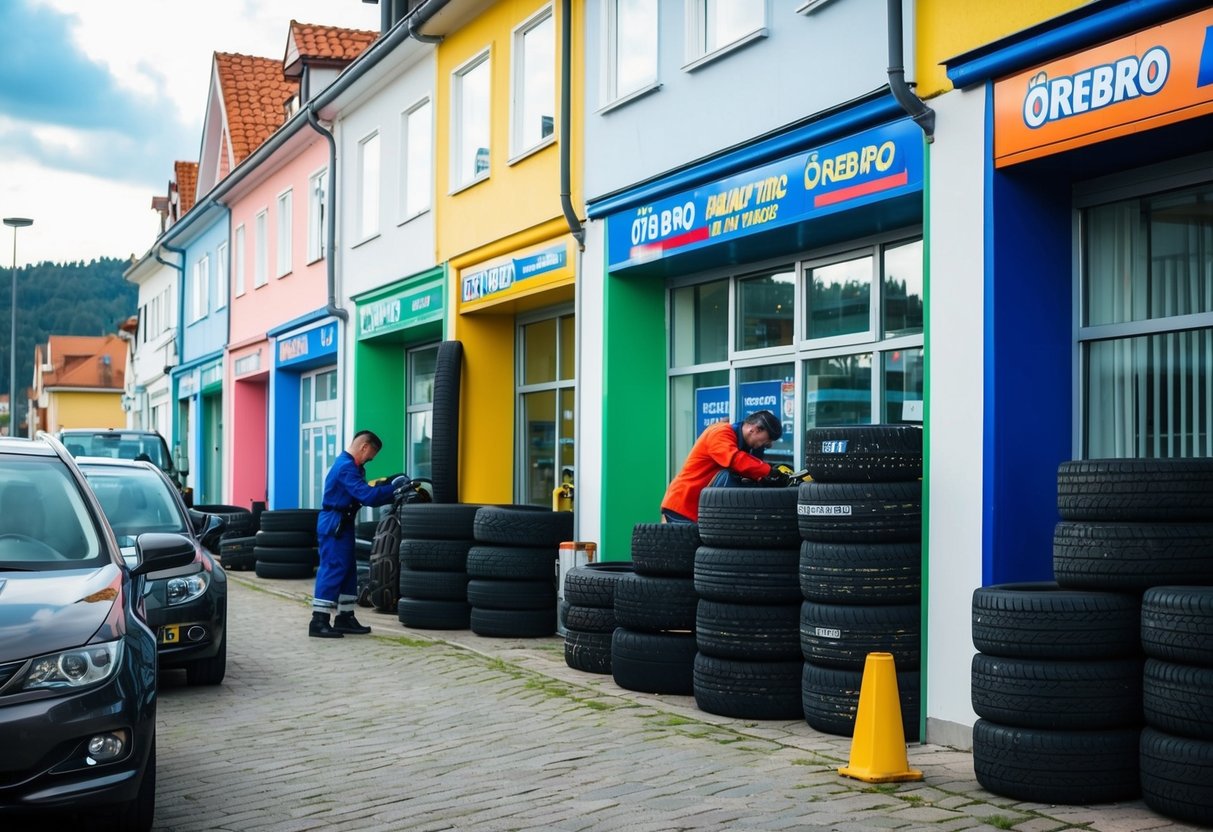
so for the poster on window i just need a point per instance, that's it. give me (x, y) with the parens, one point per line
(711, 406)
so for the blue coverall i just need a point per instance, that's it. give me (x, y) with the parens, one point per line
(345, 490)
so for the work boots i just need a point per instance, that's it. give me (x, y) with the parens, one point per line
(346, 623)
(319, 627)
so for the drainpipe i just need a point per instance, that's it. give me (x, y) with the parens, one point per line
(385, 16)
(566, 96)
(177, 338)
(923, 115)
(331, 220)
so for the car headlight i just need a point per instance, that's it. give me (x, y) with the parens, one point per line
(76, 668)
(187, 587)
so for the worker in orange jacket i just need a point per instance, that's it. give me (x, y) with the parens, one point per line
(736, 448)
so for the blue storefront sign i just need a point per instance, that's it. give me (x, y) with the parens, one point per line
(317, 343)
(501, 276)
(711, 406)
(876, 164)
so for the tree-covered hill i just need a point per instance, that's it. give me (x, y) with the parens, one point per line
(61, 299)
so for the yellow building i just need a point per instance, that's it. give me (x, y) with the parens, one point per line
(507, 233)
(78, 383)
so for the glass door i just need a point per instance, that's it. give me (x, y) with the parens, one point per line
(546, 402)
(317, 435)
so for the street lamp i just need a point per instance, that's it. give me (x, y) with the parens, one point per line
(14, 223)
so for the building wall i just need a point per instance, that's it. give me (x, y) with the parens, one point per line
(762, 87)
(151, 409)
(84, 409)
(209, 333)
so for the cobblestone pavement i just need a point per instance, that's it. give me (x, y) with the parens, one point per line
(434, 730)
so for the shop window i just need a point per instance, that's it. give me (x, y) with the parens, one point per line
(696, 401)
(772, 388)
(420, 408)
(318, 407)
(368, 187)
(699, 323)
(903, 375)
(546, 393)
(838, 390)
(1146, 333)
(902, 300)
(765, 310)
(840, 297)
(470, 132)
(534, 83)
(417, 159)
(631, 49)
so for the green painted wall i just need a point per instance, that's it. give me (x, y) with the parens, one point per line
(635, 439)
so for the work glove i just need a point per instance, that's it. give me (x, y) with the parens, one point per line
(780, 476)
(400, 484)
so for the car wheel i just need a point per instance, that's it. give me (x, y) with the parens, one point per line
(208, 671)
(136, 816)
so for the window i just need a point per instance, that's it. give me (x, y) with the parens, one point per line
(1145, 332)
(284, 233)
(221, 276)
(261, 250)
(318, 433)
(717, 26)
(238, 261)
(631, 49)
(317, 190)
(818, 342)
(368, 187)
(546, 395)
(202, 277)
(534, 83)
(419, 386)
(470, 132)
(418, 157)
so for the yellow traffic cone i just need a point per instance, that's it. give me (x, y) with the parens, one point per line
(878, 747)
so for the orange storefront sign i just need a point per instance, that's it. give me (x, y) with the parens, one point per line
(1154, 77)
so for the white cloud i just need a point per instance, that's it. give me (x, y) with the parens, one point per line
(154, 49)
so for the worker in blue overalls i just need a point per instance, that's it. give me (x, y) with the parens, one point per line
(345, 492)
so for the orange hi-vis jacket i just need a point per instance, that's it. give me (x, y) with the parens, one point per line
(714, 450)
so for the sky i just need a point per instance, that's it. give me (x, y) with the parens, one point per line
(98, 98)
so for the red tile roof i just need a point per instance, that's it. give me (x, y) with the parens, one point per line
(254, 97)
(186, 174)
(330, 45)
(77, 361)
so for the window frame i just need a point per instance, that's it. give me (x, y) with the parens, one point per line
(484, 56)
(610, 96)
(697, 54)
(317, 192)
(407, 211)
(261, 248)
(221, 262)
(369, 191)
(201, 288)
(518, 85)
(557, 386)
(238, 265)
(284, 233)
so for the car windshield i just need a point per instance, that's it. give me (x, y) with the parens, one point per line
(135, 500)
(118, 445)
(45, 522)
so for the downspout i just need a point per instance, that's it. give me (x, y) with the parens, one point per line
(177, 338)
(330, 221)
(566, 97)
(923, 115)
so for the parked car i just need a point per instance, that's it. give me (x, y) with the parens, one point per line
(77, 658)
(187, 609)
(123, 443)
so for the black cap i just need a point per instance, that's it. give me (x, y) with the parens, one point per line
(766, 419)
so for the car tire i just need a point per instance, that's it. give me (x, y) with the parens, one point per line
(864, 453)
(208, 671)
(1147, 490)
(1176, 622)
(444, 447)
(751, 518)
(1177, 776)
(1040, 620)
(1132, 557)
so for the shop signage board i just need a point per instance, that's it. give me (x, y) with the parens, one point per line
(499, 276)
(246, 364)
(409, 307)
(187, 385)
(318, 342)
(876, 164)
(1151, 78)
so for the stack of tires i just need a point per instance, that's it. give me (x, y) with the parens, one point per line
(1177, 743)
(285, 545)
(236, 542)
(653, 644)
(860, 570)
(748, 664)
(588, 614)
(434, 542)
(1057, 687)
(512, 570)
(1145, 526)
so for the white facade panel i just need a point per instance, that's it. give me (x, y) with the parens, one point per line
(591, 392)
(956, 355)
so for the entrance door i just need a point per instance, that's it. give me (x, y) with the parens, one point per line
(546, 394)
(318, 434)
(212, 452)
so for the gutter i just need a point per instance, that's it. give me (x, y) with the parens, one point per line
(923, 115)
(566, 96)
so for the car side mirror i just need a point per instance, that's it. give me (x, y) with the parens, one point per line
(212, 530)
(158, 551)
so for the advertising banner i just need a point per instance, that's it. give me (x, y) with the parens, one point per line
(876, 164)
(306, 346)
(711, 406)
